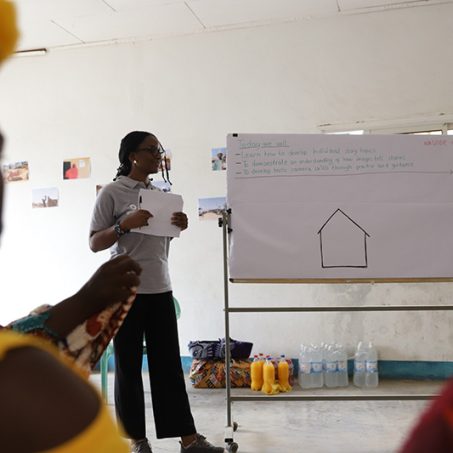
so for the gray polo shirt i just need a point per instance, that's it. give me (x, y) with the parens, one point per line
(114, 202)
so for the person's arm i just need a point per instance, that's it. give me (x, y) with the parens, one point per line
(82, 325)
(103, 239)
(115, 281)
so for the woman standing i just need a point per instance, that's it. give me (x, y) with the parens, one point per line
(153, 315)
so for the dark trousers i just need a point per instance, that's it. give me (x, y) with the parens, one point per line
(152, 316)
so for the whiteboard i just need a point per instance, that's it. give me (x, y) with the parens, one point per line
(340, 206)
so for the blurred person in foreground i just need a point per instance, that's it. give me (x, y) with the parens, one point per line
(47, 404)
(433, 432)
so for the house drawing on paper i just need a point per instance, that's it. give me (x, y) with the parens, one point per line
(343, 242)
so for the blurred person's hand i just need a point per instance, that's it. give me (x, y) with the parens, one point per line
(115, 281)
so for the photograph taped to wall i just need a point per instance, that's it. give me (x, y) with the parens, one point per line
(76, 168)
(45, 198)
(211, 208)
(218, 159)
(16, 171)
(316, 206)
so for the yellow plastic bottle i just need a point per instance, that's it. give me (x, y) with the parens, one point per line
(256, 374)
(268, 377)
(283, 374)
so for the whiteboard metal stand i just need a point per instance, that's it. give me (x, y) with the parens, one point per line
(231, 426)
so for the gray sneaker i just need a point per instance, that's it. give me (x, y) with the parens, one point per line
(141, 446)
(201, 445)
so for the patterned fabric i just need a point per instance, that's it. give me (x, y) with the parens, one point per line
(238, 349)
(87, 342)
(211, 373)
(203, 349)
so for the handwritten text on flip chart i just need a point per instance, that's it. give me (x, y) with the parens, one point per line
(278, 158)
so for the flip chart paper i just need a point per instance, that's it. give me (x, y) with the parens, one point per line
(340, 206)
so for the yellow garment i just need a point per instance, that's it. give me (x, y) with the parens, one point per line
(101, 435)
(8, 31)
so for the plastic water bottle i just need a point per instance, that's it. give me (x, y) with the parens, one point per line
(372, 373)
(256, 373)
(268, 376)
(305, 371)
(360, 359)
(342, 366)
(331, 367)
(323, 347)
(316, 366)
(283, 374)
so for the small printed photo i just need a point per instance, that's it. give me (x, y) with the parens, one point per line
(98, 188)
(17, 171)
(211, 208)
(76, 168)
(219, 159)
(166, 160)
(162, 185)
(45, 198)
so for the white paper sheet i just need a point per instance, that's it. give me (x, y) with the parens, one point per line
(162, 206)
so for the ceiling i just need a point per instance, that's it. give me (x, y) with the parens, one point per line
(57, 23)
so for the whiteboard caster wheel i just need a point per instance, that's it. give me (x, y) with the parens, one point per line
(232, 448)
(235, 426)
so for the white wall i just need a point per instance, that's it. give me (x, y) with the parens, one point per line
(191, 91)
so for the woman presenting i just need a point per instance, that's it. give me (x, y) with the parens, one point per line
(152, 315)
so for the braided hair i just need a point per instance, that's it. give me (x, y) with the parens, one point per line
(129, 144)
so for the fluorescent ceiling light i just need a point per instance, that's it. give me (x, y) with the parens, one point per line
(31, 52)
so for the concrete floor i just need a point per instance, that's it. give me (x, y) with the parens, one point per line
(301, 426)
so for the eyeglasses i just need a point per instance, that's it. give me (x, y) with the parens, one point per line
(156, 151)
(159, 151)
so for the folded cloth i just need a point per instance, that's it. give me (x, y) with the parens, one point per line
(238, 349)
(215, 349)
(203, 349)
